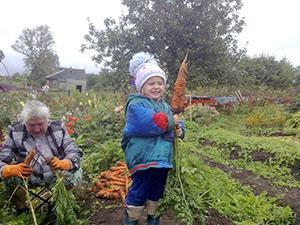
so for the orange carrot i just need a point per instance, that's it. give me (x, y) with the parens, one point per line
(121, 163)
(118, 172)
(115, 178)
(30, 156)
(126, 185)
(116, 183)
(95, 189)
(117, 168)
(123, 196)
(99, 185)
(178, 96)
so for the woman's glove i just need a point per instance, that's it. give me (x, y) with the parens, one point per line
(63, 164)
(17, 170)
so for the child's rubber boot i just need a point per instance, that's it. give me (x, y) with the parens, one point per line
(127, 221)
(151, 210)
(152, 220)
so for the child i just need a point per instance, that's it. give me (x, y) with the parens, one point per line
(147, 138)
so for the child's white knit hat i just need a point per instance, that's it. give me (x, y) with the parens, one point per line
(143, 66)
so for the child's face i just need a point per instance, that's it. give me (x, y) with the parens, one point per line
(154, 88)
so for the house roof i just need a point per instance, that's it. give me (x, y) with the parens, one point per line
(68, 73)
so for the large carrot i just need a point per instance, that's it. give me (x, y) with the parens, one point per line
(178, 97)
(177, 105)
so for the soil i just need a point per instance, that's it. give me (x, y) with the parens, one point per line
(214, 218)
(256, 155)
(107, 212)
(296, 170)
(115, 216)
(291, 196)
(262, 156)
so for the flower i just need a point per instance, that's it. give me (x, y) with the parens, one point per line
(69, 124)
(70, 131)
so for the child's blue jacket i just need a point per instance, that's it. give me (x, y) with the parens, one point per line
(145, 144)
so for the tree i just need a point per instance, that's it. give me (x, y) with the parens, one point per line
(266, 70)
(297, 76)
(167, 28)
(37, 46)
(2, 56)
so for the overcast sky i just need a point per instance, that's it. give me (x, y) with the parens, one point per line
(272, 28)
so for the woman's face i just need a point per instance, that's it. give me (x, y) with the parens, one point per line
(154, 88)
(37, 126)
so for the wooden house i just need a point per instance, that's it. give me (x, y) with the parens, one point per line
(67, 79)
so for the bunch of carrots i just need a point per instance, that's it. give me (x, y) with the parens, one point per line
(113, 183)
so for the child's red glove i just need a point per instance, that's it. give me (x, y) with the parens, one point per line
(161, 120)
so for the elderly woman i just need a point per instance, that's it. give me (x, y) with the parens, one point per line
(55, 150)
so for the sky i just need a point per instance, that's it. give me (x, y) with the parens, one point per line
(272, 28)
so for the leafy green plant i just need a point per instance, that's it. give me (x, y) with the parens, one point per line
(100, 157)
(200, 115)
(294, 121)
(266, 116)
(65, 204)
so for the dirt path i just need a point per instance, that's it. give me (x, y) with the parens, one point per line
(112, 213)
(115, 216)
(291, 196)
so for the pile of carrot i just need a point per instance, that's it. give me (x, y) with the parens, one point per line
(113, 183)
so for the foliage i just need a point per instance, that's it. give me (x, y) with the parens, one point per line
(37, 47)
(294, 122)
(202, 116)
(266, 70)
(108, 80)
(2, 56)
(207, 187)
(167, 29)
(11, 105)
(98, 130)
(100, 157)
(297, 76)
(65, 204)
(267, 116)
(295, 106)
(285, 151)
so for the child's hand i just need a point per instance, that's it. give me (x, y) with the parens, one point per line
(178, 132)
(176, 119)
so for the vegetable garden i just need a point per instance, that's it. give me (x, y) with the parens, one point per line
(236, 167)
